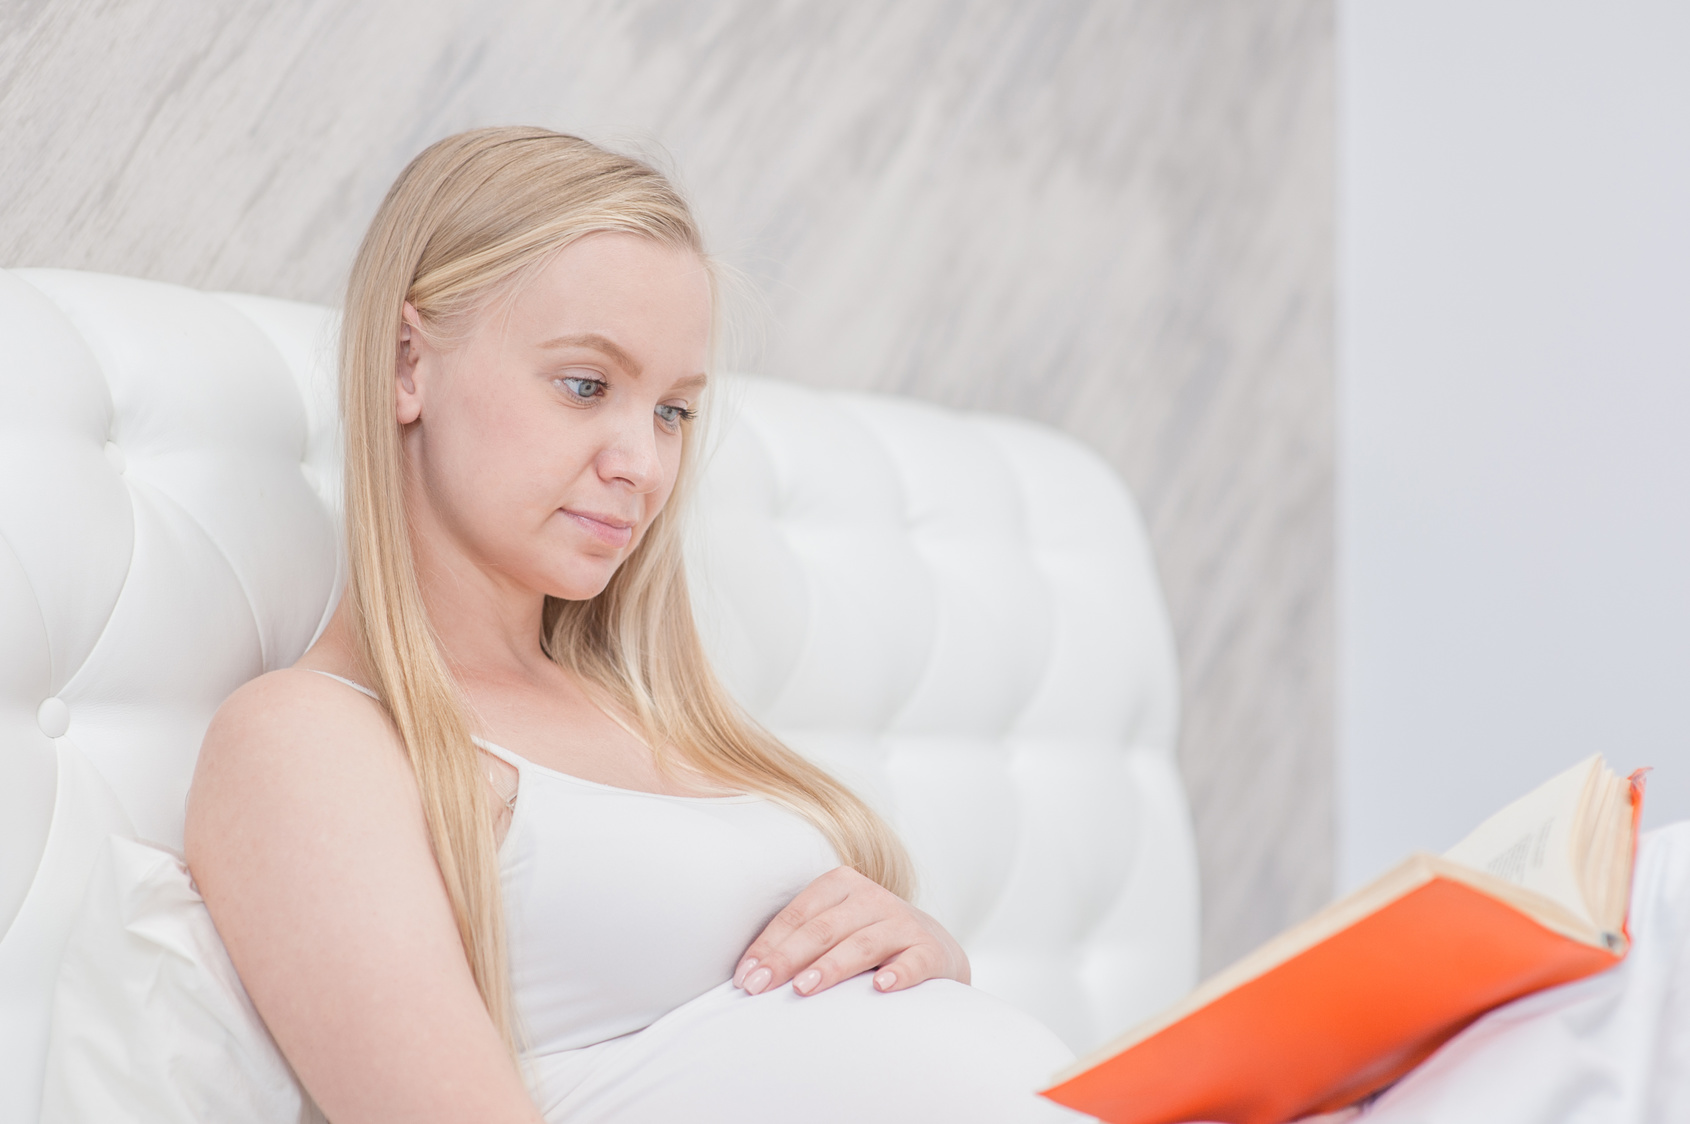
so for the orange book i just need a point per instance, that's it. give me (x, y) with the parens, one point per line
(1353, 998)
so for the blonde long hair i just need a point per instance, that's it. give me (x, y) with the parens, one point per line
(467, 219)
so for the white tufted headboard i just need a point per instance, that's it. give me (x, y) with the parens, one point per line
(957, 614)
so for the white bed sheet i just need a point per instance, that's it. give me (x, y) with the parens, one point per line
(1611, 1049)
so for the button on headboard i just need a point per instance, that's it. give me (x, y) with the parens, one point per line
(957, 614)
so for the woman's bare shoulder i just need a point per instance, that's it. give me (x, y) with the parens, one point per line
(296, 700)
(293, 712)
(294, 736)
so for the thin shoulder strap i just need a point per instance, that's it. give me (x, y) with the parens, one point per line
(502, 754)
(342, 679)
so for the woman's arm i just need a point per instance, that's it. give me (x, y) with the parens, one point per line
(306, 836)
(843, 924)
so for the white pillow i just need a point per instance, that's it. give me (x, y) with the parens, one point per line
(150, 1022)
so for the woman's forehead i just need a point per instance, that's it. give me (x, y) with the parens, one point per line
(636, 303)
(619, 289)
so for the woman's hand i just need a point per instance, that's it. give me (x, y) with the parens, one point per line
(843, 924)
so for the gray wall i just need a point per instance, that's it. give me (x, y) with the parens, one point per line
(1515, 286)
(1114, 217)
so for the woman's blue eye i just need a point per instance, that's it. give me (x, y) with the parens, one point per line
(582, 387)
(675, 415)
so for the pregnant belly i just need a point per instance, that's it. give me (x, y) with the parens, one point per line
(939, 1051)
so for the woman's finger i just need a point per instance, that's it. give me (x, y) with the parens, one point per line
(866, 948)
(801, 947)
(916, 964)
(821, 895)
(844, 924)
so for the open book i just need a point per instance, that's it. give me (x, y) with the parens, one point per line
(1345, 1003)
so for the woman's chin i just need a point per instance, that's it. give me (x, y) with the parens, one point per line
(580, 586)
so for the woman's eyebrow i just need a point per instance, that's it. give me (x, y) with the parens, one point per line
(598, 343)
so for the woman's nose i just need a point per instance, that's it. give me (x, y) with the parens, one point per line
(631, 455)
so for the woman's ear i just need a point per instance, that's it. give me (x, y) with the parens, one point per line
(407, 399)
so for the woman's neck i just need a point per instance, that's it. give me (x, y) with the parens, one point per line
(486, 624)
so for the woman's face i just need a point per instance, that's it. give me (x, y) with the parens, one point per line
(540, 445)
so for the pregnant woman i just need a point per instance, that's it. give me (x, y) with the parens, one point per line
(499, 848)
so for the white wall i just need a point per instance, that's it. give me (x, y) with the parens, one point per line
(1514, 464)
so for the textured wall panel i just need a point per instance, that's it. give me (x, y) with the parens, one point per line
(1111, 216)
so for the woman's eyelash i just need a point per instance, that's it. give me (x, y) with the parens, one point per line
(581, 387)
(586, 389)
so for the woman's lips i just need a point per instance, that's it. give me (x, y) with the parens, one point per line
(607, 529)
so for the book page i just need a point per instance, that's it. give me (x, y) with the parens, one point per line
(1530, 842)
(1607, 876)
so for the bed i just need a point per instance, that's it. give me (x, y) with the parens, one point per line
(958, 614)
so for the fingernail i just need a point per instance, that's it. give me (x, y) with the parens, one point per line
(804, 983)
(885, 980)
(745, 966)
(758, 980)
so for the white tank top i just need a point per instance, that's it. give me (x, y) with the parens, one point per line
(622, 905)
